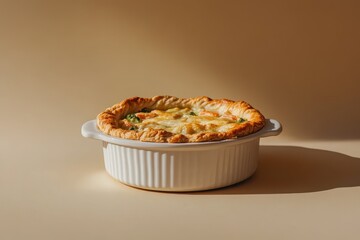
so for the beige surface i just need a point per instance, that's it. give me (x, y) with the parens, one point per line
(62, 63)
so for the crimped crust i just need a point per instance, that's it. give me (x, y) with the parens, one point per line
(111, 120)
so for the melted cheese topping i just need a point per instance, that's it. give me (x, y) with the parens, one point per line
(184, 121)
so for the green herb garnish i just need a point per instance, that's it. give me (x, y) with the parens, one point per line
(241, 120)
(132, 118)
(192, 114)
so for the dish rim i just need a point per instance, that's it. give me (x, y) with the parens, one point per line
(89, 130)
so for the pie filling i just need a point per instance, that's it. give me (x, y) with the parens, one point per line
(180, 121)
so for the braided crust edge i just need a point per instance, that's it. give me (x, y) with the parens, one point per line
(107, 121)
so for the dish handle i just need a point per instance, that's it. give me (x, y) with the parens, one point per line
(89, 130)
(272, 128)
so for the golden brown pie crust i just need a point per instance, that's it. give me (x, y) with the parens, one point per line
(109, 121)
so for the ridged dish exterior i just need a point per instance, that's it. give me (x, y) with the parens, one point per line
(191, 170)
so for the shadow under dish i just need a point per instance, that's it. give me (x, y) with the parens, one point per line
(291, 169)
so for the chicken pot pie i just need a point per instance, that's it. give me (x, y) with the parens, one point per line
(180, 120)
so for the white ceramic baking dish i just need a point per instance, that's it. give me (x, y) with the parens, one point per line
(178, 167)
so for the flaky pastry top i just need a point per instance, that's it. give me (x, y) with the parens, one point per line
(180, 120)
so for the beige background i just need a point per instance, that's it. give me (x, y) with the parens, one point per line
(63, 62)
